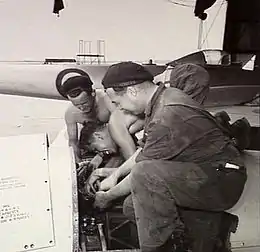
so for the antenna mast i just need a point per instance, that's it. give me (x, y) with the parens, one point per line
(85, 55)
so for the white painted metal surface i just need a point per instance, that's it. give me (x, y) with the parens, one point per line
(26, 220)
(64, 196)
(43, 182)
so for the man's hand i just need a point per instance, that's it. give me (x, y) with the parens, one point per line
(108, 183)
(93, 183)
(102, 200)
(84, 166)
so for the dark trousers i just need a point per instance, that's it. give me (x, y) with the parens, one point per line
(159, 187)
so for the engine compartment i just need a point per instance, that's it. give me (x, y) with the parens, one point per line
(102, 230)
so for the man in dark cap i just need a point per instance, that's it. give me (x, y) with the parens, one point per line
(185, 159)
(190, 78)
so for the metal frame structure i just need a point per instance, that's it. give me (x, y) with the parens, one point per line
(85, 55)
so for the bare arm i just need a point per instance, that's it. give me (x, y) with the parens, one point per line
(114, 190)
(118, 128)
(72, 130)
(104, 199)
(126, 167)
(137, 126)
(121, 189)
(104, 172)
(112, 175)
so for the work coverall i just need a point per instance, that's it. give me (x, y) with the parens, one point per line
(178, 166)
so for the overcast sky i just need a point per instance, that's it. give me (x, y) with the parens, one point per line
(132, 29)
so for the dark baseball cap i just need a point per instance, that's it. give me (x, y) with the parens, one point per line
(125, 74)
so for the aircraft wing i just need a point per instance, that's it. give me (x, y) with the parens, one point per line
(38, 80)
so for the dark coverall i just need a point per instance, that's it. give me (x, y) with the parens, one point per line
(178, 167)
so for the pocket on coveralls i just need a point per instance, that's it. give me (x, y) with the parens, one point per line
(196, 177)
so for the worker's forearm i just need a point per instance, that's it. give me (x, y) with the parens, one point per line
(126, 144)
(121, 127)
(136, 127)
(104, 172)
(127, 148)
(126, 167)
(121, 189)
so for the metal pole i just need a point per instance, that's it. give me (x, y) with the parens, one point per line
(80, 46)
(90, 51)
(80, 49)
(98, 50)
(104, 51)
(200, 34)
(85, 43)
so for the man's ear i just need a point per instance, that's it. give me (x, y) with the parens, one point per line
(132, 90)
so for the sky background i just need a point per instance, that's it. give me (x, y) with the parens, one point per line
(132, 29)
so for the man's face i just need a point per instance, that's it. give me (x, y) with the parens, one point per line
(102, 141)
(126, 99)
(83, 101)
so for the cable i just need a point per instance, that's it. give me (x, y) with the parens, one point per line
(207, 41)
(180, 4)
(185, 3)
(213, 22)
